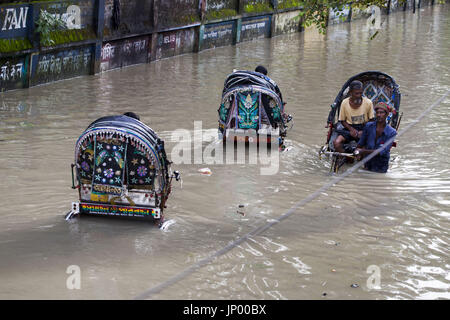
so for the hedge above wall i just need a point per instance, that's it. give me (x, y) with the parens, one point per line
(221, 9)
(14, 45)
(257, 6)
(288, 4)
(74, 35)
(220, 14)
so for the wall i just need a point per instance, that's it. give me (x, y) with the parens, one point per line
(102, 35)
(286, 22)
(220, 9)
(60, 64)
(13, 72)
(256, 7)
(338, 16)
(125, 18)
(124, 52)
(175, 42)
(256, 27)
(177, 13)
(218, 34)
(348, 13)
(26, 62)
(78, 16)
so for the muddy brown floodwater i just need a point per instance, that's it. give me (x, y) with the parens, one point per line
(397, 222)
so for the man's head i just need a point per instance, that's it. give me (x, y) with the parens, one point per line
(132, 115)
(261, 69)
(356, 91)
(382, 111)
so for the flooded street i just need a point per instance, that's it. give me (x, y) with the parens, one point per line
(398, 222)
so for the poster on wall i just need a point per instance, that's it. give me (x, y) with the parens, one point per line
(15, 21)
(75, 14)
(255, 27)
(58, 65)
(121, 53)
(13, 73)
(218, 35)
(175, 42)
(123, 18)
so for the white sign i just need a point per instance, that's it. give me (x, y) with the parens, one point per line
(15, 18)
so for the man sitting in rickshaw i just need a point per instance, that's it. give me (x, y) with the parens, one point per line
(355, 112)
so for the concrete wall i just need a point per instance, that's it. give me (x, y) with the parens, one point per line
(102, 35)
(177, 13)
(26, 62)
(134, 17)
(347, 14)
(256, 7)
(339, 16)
(286, 22)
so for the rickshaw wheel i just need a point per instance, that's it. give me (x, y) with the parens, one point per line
(333, 167)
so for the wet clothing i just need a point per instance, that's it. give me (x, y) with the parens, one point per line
(346, 133)
(356, 116)
(380, 162)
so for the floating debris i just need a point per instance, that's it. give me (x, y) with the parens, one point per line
(206, 171)
(240, 210)
(324, 294)
(354, 285)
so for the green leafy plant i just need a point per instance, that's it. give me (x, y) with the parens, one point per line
(48, 23)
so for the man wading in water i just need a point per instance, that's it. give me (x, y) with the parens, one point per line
(374, 136)
(265, 99)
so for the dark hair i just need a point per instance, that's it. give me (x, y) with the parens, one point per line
(355, 84)
(261, 69)
(132, 115)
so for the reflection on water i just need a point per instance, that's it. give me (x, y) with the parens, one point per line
(398, 221)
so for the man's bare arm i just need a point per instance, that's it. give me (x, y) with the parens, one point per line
(353, 131)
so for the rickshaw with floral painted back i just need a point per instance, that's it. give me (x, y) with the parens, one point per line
(121, 169)
(378, 87)
(252, 109)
